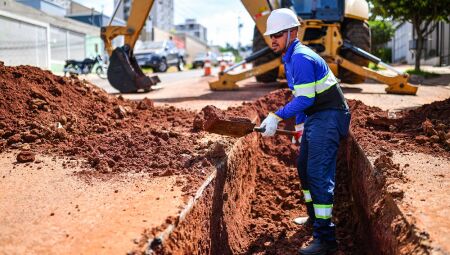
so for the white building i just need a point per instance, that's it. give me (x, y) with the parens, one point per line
(193, 28)
(161, 17)
(30, 36)
(436, 47)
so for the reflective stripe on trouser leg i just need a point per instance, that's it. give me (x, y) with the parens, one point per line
(307, 195)
(323, 211)
(301, 167)
(321, 132)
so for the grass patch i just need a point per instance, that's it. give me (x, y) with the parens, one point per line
(375, 67)
(422, 73)
(147, 70)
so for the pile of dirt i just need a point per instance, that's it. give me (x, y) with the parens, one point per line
(425, 129)
(277, 199)
(213, 120)
(42, 112)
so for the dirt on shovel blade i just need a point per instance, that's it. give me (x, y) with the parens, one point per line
(213, 120)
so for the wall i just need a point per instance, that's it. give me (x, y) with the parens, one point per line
(32, 37)
(160, 35)
(193, 46)
(23, 41)
(400, 43)
(436, 49)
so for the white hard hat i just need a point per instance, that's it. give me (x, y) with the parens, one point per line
(281, 19)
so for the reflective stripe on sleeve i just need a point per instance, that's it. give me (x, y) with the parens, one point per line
(307, 195)
(311, 89)
(326, 82)
(306, 89)
(323, 211)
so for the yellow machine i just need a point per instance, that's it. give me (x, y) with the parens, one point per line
(124, 73)
(336, 29)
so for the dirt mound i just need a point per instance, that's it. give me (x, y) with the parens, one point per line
(210, 115)
(277, 199)
(425, 129)
(280, 147)
(43, 112)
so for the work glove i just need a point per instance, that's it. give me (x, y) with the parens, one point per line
(270, 123)
(298, 137)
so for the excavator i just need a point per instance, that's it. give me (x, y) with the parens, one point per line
(336, 29)
(124, 73)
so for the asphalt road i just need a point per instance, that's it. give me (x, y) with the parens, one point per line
(167, 79)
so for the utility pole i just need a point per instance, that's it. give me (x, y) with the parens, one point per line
(240, 25)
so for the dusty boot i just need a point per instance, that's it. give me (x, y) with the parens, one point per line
(318, 247)
(307, 221)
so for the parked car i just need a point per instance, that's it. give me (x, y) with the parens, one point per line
(228, 57)
(160, 56)
(199, 60)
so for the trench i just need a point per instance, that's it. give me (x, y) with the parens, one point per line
(248, 208)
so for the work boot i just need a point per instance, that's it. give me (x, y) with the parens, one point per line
(318, 247)
(306, 221)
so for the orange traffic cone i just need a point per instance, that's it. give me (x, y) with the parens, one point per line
(223, 65)
(207, 67)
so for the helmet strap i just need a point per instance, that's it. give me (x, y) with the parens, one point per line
(288, 39)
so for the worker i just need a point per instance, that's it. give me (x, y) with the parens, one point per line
(321, 115)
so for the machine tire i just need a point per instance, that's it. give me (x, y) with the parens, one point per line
(358, 33)
(100, 71)
(259, 43)
(162, 67)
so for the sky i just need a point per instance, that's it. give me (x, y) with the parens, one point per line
(220, 17)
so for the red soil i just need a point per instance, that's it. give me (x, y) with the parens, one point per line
(42, 112)
(277, 198)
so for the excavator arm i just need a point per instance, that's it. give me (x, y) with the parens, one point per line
(332, 43)
(124, 73)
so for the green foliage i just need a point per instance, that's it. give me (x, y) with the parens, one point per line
(375, 67)
(423, 15)
(384, 53)
(235, 52)
(422, 73)
(410, 10)
(381, 32)
(147, 70)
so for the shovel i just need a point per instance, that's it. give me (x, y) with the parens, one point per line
(240, 127)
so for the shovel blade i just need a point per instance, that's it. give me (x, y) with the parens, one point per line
(234, 128)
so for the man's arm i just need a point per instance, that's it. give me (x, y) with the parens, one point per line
(304, 90)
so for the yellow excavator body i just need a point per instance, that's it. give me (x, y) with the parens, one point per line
(124, 73)
(329, 39)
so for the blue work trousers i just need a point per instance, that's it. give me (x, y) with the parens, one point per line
(317, 166)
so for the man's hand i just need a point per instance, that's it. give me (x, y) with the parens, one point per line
(298, 138)
(270, 123)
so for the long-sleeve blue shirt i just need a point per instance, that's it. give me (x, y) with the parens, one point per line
(304, 69)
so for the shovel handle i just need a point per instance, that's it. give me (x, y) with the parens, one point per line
(278, 132)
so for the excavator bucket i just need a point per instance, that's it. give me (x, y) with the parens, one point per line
(125, 75)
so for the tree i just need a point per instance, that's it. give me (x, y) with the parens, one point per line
(382, 32)
(423, 14)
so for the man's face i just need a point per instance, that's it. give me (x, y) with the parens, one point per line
(278, 41)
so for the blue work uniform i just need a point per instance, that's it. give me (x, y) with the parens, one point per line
(319, 103)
